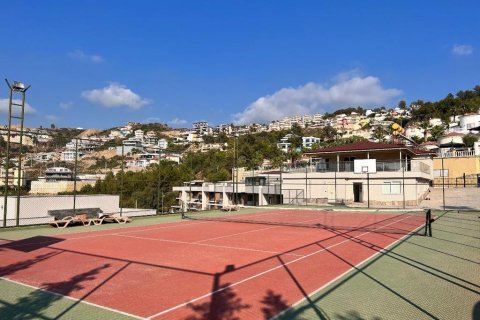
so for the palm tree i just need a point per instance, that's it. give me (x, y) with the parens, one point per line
(425, 125)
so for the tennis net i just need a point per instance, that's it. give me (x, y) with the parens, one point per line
(399, 222)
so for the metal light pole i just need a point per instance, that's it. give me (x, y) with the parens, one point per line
(75, 178)
(162, 200)
(17, 87)
(235, 171)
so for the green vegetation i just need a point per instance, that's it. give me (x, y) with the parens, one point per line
(470, 139)
(452, 105)
(142, 189)
(61, 137)
(111, 163)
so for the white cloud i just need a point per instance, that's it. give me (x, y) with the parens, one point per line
(82, 56)
(348, 89)
(15, 109)
(65, 105)
(177, 122)
(115, 95)
(462, 49)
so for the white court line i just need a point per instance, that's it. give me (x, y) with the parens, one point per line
(265, 272)
(71, 298)
(177, 224)
(255, 230)
(211, 245)
(96, 235)
(357, 266)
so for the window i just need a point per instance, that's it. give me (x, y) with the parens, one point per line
(392, 187)
(440, 173)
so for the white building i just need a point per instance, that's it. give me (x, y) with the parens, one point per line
(139, 134)
(69, 155)
(162, 144)
(307, 142)
(468, 123)
(284, 143)
(200, 127)
(151, 138)
(129, 145)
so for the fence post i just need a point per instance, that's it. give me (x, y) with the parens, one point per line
(464, 182)
(335, 182)
(121, 181)
(281, 181)
(368, 190)
(305, 195)
(443, 185)
(158, 191)
(75, 177)
(403, 185)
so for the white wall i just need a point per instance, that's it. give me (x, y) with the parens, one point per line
(34, 210)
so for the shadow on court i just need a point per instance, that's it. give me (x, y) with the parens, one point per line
(224, 302)
(33, 305)
(31, 244)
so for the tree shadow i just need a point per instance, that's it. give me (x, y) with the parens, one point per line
(274, 305)
(33, 305)
(353, 315)
(18, 266)
(75, 282)
(224, 303)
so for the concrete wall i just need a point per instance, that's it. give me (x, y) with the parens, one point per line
(47, 187)
(34, 210)
(458, 166)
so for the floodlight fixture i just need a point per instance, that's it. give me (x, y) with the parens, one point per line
(18, 86)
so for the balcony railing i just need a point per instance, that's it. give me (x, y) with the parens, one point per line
(348, 166)
(457, 153)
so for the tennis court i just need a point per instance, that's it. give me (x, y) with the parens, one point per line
(250, 265)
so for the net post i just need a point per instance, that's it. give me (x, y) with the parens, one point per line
(428, 222)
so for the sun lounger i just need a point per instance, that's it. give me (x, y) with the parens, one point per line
(62, 223)
(66, 221)
(115, 218)
(229, 208)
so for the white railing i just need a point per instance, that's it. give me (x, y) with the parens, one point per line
(457, 154)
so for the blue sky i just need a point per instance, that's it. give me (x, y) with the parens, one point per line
(100, 64)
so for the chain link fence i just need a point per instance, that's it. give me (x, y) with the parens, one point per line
(44, 181)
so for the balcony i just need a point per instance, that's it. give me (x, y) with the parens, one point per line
(348, 166)
(457, 154)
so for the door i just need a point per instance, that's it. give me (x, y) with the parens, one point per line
(357, 192)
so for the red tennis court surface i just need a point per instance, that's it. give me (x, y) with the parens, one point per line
(203, 269)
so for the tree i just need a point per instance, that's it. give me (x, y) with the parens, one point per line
(52, 126)
(417, 139)
(425, 125)
(436, 132)
(402, 104)
(469, 140)
(297, 130)
(380, 134)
